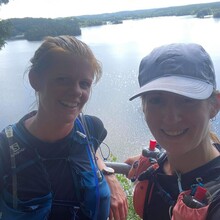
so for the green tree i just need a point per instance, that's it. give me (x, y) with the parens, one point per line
(204, 12)
(4, 32)
(4, 1)
(4, 28)
(35, 29)
(216, 14)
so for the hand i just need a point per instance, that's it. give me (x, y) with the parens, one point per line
(119, 204)
(133, 161)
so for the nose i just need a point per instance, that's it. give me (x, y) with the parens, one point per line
(171, 113)
(75, 89)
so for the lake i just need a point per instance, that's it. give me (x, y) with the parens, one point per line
(120, 49)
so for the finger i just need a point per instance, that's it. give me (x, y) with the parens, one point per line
(110, 215)
(133, 170)
(131, 160)
(125, 208)
(120, 212)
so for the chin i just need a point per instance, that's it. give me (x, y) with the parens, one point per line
(65, 119)
(70, 120)
(176, 152)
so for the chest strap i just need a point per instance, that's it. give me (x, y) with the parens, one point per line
(12, 147)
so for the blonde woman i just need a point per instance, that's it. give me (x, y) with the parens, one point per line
(179, 97)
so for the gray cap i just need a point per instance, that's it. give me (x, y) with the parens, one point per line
(184, 69)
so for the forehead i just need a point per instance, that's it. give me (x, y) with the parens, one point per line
(60, 60)
(66, 58)
(163, 94)
(66, 64)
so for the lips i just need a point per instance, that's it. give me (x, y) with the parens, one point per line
(69, 104)
(174, 133)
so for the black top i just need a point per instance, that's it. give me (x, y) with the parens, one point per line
(32, 182)
(159, 206)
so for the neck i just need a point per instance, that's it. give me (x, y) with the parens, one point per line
(47, 130)
(191, 160)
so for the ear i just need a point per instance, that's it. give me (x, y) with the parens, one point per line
(218, 99)
(215, 106)
(34, 80)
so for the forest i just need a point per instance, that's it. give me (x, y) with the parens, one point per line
(34, 29)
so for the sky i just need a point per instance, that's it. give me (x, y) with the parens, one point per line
(67, 8)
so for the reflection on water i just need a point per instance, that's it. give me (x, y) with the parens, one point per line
(120, 49)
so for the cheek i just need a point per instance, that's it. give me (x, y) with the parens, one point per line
(199, 121)
(152, 121)
(151, 114)
(86, 96)
(152, 124)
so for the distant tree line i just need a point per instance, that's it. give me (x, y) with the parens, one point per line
(4, 1)
(147, 13)
(37, 28)
(34, 29)
(4, 27)
(216, 14)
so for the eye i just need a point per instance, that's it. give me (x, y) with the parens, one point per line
(189, 101)
(86, 84)
(154, 100)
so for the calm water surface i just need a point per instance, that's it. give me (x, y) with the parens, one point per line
(120, 49)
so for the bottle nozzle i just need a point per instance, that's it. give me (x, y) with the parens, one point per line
(200, 193)
(152, 145)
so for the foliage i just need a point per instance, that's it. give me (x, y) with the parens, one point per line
(204, 12)
(89, 22)
(4, 1)
(128, 188)
(37, 28)
(4, 32)
(4, 28)
(216, 14)
(139, 14)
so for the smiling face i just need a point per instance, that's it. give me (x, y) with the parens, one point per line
(178, 123)
(63, 88)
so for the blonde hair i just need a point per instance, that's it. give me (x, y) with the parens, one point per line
(215, 97)
(41, 59)
(214, 137)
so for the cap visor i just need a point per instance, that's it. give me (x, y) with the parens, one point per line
(188, 87)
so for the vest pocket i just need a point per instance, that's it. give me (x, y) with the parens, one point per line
(34, 209)
(183, 212)
(95, 198)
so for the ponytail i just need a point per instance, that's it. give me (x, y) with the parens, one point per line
(214, 137)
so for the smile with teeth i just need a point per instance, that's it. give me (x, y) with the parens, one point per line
(174, 133)
(69, 104)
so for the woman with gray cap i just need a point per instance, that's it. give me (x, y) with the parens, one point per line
(179, 98)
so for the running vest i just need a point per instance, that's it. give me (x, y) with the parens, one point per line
(93, 191)
(187, 206)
